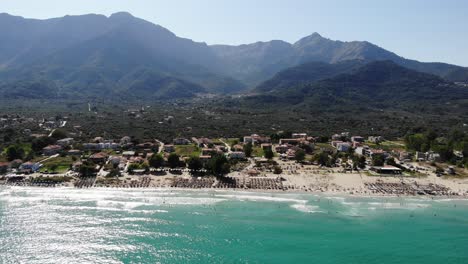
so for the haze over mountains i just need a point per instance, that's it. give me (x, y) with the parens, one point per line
(122, 56)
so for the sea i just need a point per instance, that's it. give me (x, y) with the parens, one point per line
(66, 225)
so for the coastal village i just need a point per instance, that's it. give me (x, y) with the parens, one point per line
(341, 163)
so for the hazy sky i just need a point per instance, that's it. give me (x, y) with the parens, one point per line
(426, 30)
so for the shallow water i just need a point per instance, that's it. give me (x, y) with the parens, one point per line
(178, 226)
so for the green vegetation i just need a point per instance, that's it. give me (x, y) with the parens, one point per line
(248, 149)
(257, 151)
(14, 152)
(219, 165)
(187, 150)
(138, 166)
(388, 145)
(173, 160)
(194, 164)
(57, 165)
(156, 161)
(232, 141)
(269, 154)
(378, 160)
(443, 145)
(300, 155)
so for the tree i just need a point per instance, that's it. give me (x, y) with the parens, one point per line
(277, 170)
(377, 160)
(322, 158)
(362, 162)
(248, 149)
(299, 156)
(445, 152)
(195, 164)
(269, 154)
(114, 172)
(132, 167)
(391, 162)
(87, 169)
(39, 143)
(173, 160)
(14, 152)
(219, 165)
(156, 161)
(59, 134)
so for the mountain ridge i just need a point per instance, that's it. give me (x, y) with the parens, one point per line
(96, 53)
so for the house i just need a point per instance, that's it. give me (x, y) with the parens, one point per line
(128, 154)
(209, 151)
(359, 151)
(101, 146)
(290, 141)
(282, 148)
(65, 142)
(248, 139)
(4, 166)
(29, 167)
(420, 156)
(99, 158)
(432, 156)
(343, 146)
(299, 135)
(237, 155)
(169, 148)
(335, 143)
(357, 144)
(386, 170)
(237, 147)
(256, 139)
(74, 152)
(221, 148)
(341, 136)
(357, 139)
(375, 139)
(51, 150)
(404, 156)
(148, 146)
(374, 152)
(181, 141)
(202, 142)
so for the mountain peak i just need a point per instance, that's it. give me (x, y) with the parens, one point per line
(315, 35)
(121, 15)
(313, 38)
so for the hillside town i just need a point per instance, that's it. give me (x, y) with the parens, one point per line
(282, 161)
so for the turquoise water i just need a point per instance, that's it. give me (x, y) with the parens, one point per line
(164, 226)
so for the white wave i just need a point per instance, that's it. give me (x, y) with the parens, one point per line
(306, 208)
(262, 198)
(298, 204)
(398, 205)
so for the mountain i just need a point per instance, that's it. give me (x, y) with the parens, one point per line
(306, 73)
(378, 85)
(103, 60)
(121, 57)
(315, 48)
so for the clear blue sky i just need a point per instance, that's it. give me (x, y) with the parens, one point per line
(426, 30)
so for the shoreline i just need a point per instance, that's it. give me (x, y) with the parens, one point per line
(257, 191)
